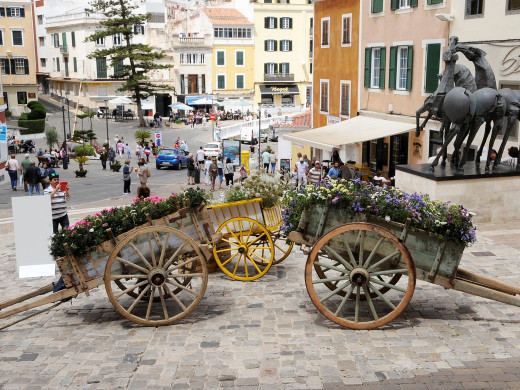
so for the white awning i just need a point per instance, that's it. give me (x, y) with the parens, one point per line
(350, 131)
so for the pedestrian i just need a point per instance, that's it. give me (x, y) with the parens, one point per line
(357, 174)
(127, 179)
(200, 158)
(229, 169)
(143, 172)
(58, 203)
(243, 173)
(45, 176)
(220, 166)
(315, 173)
(207, 165)
(116, 139)
(127, 151)
(251, 149)
(213, 172)
(14, 168)
(138, 151)
(301, 171)
(120, 149)
(191, 169)
(32, 178)
(273, 160)
(26, 163)
(111, 155)
(103, 157)
(265, 159)
(334, 171)
(344, 172)
(147, 152)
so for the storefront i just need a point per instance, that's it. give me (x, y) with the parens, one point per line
(279, 97)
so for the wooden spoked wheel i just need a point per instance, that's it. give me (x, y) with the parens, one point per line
(250, 250)
(282, 248)
(360, 276)
(163, 272)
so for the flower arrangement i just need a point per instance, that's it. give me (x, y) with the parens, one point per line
(258, 185)
(91, 231)
(445, 220)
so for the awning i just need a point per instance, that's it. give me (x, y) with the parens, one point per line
(279, 90)
(350, 131)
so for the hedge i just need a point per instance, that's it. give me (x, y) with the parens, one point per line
(33, 104)
(34, 126)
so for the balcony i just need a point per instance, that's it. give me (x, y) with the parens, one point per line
(184, 42)
(64, 49)
(282, 77)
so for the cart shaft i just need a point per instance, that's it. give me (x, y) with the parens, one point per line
(35, 293)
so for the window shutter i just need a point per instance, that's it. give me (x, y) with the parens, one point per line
(290, 22)
(13, 68)
(26, 65)
(287, 68)
(368, 60)
(265, 45)
(392, 68)
(8, 12)
(409, 69)
(75, 64)
(377, 6)
(382, 68)
(275, 68)
(432, 67)
(6, 65)
(2, 12)
(290, 45)
(275, 22)
(394, 5)
(275, 45)
(22, 12)
(413, 3)
(266, 22)
(265, 68)
(73, 38)
(64, 38)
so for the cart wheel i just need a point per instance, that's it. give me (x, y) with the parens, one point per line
(249, 241)
(168, 276)
(281, 247)
(359, 260)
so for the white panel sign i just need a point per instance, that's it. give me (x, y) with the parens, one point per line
(32, 217)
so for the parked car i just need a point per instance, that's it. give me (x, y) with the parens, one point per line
(249, 134)
(213, 149)
(171, 157)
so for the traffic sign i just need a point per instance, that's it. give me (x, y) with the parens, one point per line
(158, 138)
(212, 117)
(40, 89)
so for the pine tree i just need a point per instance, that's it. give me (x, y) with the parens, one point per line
(132, 62)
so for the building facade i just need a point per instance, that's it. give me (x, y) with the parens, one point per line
(283, 52)
(17, 55)
(336, 58)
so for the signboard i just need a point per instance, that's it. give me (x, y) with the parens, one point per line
(32, 240)
(32, 95)
(158, 138)
(3, 133)
(285, 164)
(40, 89)
(332, 119)
(231, 149)
(212, 117)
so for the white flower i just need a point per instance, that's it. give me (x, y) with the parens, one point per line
(258, 194)
(471, 213)
(91, 230)
(387, 218)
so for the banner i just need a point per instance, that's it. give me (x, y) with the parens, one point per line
(231, 149)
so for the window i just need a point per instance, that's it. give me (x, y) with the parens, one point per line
(16, 12)
(431, 2)
(240, 83)
(17, 36)
(231, 32)
(138, 29)
(56, 40)
(43, 62)
(239, 58)
(57, 64)
(270, 68)
(377, 6)
(286, 45)
(192, 58)
(402, 4)
(400, 70)
(221, 58)
(102, 90)
(344, 109)
(22, 97)
(270, 45)
(433, 56)
(20, 66)
(325, 32)
(270, 22)
(287, 100)
(221, 81)
(100, 41)
(324, 96)
(118, 67)
(73, 38)
(40, 19)
(4, 66)
(41, 41)
(284, 68)
(268, 1)
(101, 67)
(74, 64)
(513, 5)
(1, 37)
(346, 30)
(474, 7)
(375, 62)
(311, 28)
(116, 39)
(286, 23)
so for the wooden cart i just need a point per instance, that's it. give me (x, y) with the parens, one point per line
(361, 270)
(154, 275)
(251, 240)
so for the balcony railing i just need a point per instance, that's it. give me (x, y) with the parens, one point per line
(199, 41)
(64, 49)
(279, 77)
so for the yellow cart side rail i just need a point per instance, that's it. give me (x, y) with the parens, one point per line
(251, 208)
(237, 203)
(273, 217)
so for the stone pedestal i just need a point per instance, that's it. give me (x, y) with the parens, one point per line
(494, 197)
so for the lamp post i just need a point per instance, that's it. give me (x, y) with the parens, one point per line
(65, 159)
(106, 120)
(259, 140)
(68, 114)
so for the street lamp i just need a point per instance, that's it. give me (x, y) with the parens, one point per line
(259, 138)
(65, 159)
(106, 120)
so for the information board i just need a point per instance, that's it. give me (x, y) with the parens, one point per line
(231, 149)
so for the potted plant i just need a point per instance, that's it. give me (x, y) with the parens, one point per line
(81, 160)
(116, 166)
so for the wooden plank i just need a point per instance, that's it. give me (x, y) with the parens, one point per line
(44, 290)
(488, 282)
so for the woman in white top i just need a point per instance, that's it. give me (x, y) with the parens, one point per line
(13, 167)
(207, 164)
(379, 180)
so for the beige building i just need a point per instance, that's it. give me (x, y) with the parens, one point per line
(283, 52)
(17, 56)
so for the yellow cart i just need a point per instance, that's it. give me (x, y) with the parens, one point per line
(251, 241)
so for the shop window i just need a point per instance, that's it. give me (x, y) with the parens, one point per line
(21, 97)
(287, 100)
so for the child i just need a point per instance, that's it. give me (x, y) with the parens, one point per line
(243, 173)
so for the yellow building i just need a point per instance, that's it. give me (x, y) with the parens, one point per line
(232, 56)
(17, 58)
(283, 55)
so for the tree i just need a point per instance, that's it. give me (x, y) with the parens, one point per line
(51, 136)
(132, 62)
(142, 135)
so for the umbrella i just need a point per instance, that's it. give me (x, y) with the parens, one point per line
(236, 103)
(180, 106)
(121, 101)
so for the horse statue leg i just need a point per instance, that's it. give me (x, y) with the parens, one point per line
(481, 149)
(497, 126)
(424, 108)
(454, 130)
(476, 123)
(511, 120)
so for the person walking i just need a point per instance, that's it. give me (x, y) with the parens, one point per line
(147, 152)
(128, 153)
(103, 157)
(220, 166)
(127, 179)
(273, 160)
(301, 171)
(243, 173)
(207, 165)
(26, 163)
(143, 172)
(200, 158)
(111, 155)
(120, 148)
(191, 169)
(265, 159)
(14, 168)
(229, 169)
(138, 151)
(58, 203)
(45, 176)
(32, 178)
(213, 172)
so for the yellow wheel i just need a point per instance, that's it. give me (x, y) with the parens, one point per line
(282, 247)
(250, 251)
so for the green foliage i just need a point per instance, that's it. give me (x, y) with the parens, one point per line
(84, 135)
(33, 127)
(86, 150)
(178, 121)
(37, 113)
(34, 104)
(116, 163)
(81, 160)
(196, 196)
(142, 135)
(23, 116)
(51, 137)
(8, 114)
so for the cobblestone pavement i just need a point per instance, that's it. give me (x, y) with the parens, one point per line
(267, 334)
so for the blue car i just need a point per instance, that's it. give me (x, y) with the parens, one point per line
(171, 157)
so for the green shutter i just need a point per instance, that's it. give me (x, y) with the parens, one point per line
(6, 65)
(266, 22)
(394, 4)
(287, 68)
(275, 22)
(290, 22)
(433, 54)
(8, 12)
(435, 2)
(64, 39)
(413, 3)
(392, 68)
(265, 68)
(409, 69)
(275, 45)
(240, 58)
(265, 45)
(275, 68)
(382, 68)
(2, 12)
(368, 62)
(58, 64)
(290, 45)
(22, 14)
(377, 6)
(26, 66)
(73, 38)
(220, 58)
(75, 64)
